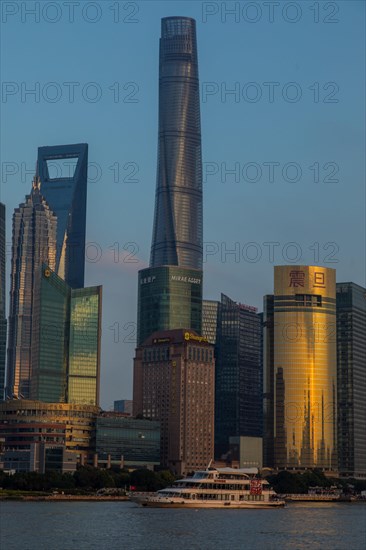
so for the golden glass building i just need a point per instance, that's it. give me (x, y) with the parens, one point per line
(300, 385)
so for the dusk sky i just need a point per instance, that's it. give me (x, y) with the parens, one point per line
(283, 135)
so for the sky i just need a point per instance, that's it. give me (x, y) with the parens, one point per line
(282, 89)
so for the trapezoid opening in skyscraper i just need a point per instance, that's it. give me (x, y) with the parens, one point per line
(65, 192)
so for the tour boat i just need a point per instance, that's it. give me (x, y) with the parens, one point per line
(215, 488)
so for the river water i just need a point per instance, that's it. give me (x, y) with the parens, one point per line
(124, 525)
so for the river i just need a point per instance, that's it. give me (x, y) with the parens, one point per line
(124, 525)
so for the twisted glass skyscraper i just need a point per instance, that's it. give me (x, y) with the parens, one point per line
(177, 233)
(170, 291)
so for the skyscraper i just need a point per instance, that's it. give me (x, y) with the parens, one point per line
(66, 337)
(210, 311)
(34, 242)
(2, 300)
(177, 234)
(174, 378)
(168, 297)
(63, 171)
(170, 291)
(351, 365)
(238, 374)
(301, 369)
(268, 380)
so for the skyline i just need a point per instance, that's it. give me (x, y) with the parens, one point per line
(119, 279)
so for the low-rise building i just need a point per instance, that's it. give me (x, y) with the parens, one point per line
(40, 436)
(125, 441)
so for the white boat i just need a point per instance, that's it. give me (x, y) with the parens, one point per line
(215, 488)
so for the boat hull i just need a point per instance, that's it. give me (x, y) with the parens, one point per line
(162, 503)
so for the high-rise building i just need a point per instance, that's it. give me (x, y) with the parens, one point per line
(177, 234)
(63, 172)
(301, 369)
(123, 406)
(351, 366)
(169, 297)
(33, 242)
(210, 310)
(174, 378)
(170, 291)
(238, 374)
(2, 300)
(66, 338)
(268, 380)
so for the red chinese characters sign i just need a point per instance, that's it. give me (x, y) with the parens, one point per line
(255, 487)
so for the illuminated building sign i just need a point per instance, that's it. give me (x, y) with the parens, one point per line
(146, 280)
(195, 337)
(185, 279)
(161, 340)
(248, 308)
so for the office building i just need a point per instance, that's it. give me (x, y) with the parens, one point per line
(210, 311)
(169, 297)
(66, 342)
(174, 378)
(301, 369)
(123, 406)
(63, 173)
(268, 380)
(38, 436)
(351, 367)
(33, 242)
(238, 380)
(127, 442)
(177, 233)
(170, 291)
(3, 324)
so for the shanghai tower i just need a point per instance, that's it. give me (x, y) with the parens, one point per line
(170, 290)
(177, 233)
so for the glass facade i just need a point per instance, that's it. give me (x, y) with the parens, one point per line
(50, 338)
(138, 441)
(169, 297)
(303, 395)
(268, 383)
(351, 367)
(84, 347)
(26, 425)
(238, 379)
(66, 196)
(2, 300)
(66, 342)
(210, 309)
(34, 242)
(123, 406)
(177, 233)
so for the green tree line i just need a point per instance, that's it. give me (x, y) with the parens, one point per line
(87, 479)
